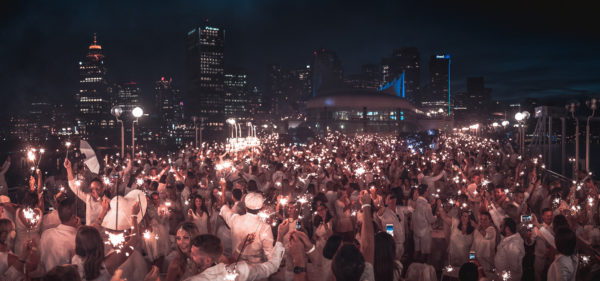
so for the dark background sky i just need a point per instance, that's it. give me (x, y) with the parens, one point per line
(534, 49)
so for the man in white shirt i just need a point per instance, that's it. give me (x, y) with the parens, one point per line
(510, 251)
(422, 220)
(544, 245)
(388, 216)
(58, 244)
(242, 225)
(93, 199)
(207, 249)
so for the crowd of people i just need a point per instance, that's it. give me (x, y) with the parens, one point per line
(364, 207)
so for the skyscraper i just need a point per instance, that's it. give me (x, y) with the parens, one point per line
(128, 96)
(92, 101)
(168, 105)
(205, 48)
(479, 97)
(439, 94)
(404, 61)
(237, 102)
(327, 71)
(368, 78)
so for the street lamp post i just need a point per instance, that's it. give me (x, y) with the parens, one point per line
(194, 118)
(571, 108)
(137, 113)
(231, 122)
(592, 105)
(116, 111)
(521, 117)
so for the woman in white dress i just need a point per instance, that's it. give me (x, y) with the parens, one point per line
(342, 211)
(28, 220)
(461, 236)
(484, 242)
(182, 266)
(12, 266)
(323, 227)
(198, 214)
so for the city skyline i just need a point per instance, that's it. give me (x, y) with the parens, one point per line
(544, 58)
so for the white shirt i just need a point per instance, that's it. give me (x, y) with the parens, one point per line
(509, 256)
(245, 271)
(389, 217)
(57, 246)
(242, 225)
(93, 207)
(564, 268)
(104, 275)
(422, 218)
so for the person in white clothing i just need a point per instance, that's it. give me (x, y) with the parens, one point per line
(484, 241)
(564, 267)
(62, 237)
(243, 225)
(12, 267)
(207, 249)
(422, 219)
(93, 200)
(510, 251)
(388, 216)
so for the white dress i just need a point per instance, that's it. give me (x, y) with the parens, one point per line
(6, 272)
(460, 244)
(201, 222)
(24, 233)
(104, 275)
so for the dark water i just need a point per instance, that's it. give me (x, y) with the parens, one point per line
(557, 161)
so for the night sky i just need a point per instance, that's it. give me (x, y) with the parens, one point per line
(538, 49)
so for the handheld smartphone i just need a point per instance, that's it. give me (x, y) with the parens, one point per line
(298, 225)
(525, 218)
(389, 228)
(472, 255)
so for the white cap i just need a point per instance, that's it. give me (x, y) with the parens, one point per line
(254, 201)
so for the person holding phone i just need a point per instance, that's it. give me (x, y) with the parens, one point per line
(461, 237)
(391, 222)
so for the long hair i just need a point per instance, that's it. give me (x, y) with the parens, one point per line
(6, 226)
(470, 228)
(203, 208)
(385, 256)
(192, 230)
(89, 246)
(318, 219)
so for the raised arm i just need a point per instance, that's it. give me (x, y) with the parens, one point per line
(73, 184)
(367, 235)
(5, 166)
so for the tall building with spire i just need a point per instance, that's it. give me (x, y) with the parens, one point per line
(205, 47)
(92, 100)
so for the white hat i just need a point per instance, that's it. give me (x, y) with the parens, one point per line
(124, 214)
(254, 201)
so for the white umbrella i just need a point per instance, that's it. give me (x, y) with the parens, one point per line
(90, 157)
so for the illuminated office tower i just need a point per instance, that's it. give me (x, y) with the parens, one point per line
(404, 65)
(128, 96)
(92, 100)
(439, 92)
(205, 48)
(237, 102)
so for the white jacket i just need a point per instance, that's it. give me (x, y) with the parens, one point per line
(564, 268)
(245, 271)
(422, 218)
(509, 256)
